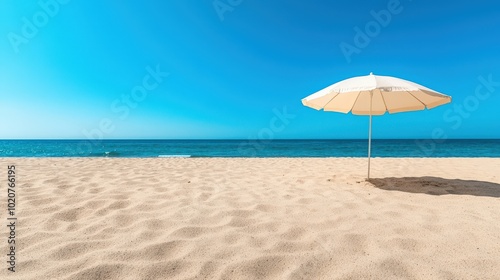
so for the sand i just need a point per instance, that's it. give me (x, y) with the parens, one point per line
(276, 218)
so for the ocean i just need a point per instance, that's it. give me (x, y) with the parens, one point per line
(249, 148)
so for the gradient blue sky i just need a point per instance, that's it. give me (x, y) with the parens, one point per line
(228, 75)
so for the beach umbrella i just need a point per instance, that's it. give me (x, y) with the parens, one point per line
(373, 95)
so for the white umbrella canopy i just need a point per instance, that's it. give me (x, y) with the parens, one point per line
(374, 95)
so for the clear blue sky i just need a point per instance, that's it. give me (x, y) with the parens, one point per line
(68, 67)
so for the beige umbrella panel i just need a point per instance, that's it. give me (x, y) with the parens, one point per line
(373, 95)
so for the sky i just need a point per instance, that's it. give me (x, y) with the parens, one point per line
(238, 69)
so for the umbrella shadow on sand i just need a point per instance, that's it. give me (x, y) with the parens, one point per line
(437, 186)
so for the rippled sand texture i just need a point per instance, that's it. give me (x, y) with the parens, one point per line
(213, 218)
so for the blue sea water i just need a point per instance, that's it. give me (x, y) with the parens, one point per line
(249, 148)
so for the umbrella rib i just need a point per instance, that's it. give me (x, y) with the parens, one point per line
(417, 99)
(383, 100)
(337, 94)
(354, 103)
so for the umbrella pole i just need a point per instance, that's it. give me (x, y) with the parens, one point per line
(370, 136)
(369, 145)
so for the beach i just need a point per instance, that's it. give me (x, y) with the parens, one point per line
(254, 218)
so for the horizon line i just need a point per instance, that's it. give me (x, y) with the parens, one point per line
(230, 139)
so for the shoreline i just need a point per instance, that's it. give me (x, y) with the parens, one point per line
(225, 157)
